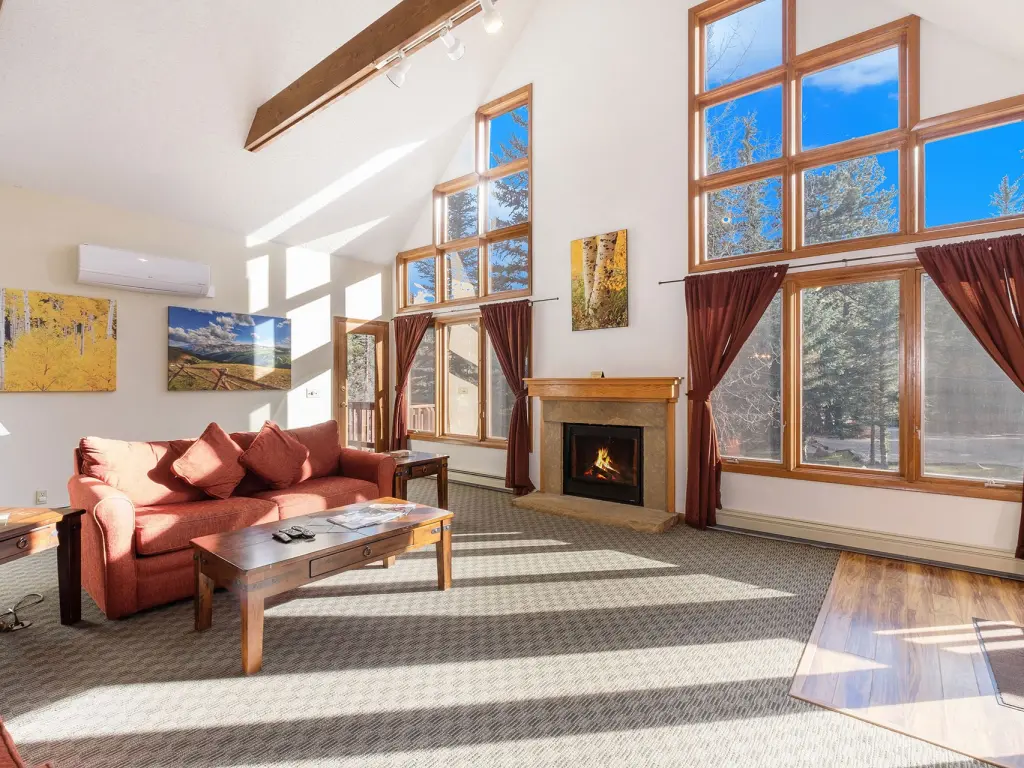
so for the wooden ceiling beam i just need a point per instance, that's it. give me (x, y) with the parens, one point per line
(352, 65)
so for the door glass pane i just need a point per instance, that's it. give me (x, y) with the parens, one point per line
(973, 413)
(463, 379)
(745, 219)
(509, 136)
(850, 100)
(852, 198)
(850, 375)
(499, 398)
(461, 214)
(743, 43)
(362, 390)
(743, 131)
(463, 273)
(508, 201)
(423, 385)
(747, 404)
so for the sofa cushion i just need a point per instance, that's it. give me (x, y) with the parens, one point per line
(275, 456)
(142, 471)
(324, 446)
(9, 757)
(169, 527)
(211, 463)
(252, 483)
(319, 494)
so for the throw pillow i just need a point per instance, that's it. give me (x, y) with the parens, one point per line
(211, 463)
(275, 456)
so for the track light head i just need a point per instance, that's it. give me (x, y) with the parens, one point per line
(492, 19)
(456, 48)
(398, 72)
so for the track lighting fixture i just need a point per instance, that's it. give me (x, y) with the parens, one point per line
(492, 19)
(398, 72)
(456, 48)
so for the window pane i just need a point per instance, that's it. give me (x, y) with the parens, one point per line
(745, 219)
(854, 99)
(461, 214)
(499, 398)
(509, 137)
(743, 43)
(508, 201)
(747, 404)
(422, 281)
(463, 371)
(850, 372)
(509, 265)
(743, 131)
(423, 385)
(463, 273)
(852, 198)
(974, 176)
(973, 413)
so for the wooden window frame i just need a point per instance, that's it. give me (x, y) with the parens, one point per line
(483, 241)
(440, 433)
(910, 475)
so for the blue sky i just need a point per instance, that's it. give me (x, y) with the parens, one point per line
(503, 128)
(858, 98)
(204, 328)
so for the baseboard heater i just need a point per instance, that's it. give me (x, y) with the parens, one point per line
(479, 476)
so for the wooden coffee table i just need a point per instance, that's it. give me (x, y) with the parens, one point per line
(254, 566)
(25, 531)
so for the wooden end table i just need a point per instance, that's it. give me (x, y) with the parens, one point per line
(421, 464)
(25, 531)
(254, 566)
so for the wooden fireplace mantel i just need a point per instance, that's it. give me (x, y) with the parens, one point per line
(639, 390)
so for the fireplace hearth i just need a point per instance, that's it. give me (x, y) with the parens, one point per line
(603, 462)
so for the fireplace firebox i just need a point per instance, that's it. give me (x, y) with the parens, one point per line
(603, 462)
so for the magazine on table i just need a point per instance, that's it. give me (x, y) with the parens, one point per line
(375, 514)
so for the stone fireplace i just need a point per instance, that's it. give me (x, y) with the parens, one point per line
(607, 450)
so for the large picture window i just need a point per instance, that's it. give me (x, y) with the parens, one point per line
(867, 376)
(481, 221)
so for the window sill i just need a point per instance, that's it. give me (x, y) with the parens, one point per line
(945, 487)
(471, 441)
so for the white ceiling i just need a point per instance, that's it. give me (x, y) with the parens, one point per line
(145, 105)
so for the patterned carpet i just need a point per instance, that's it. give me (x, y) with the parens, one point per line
(561, 644)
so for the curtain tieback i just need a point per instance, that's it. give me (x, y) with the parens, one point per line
(522, 394)
(697, 397)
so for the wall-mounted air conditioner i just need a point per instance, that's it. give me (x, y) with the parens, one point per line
(114, 268)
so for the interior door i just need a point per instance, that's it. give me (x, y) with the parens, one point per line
(361, 383)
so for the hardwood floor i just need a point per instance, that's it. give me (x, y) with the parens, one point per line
(895, 645)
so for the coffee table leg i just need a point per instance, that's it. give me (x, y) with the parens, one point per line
(203, 601)
(252, 633)
(69, 568)
(389, 561)
(444, 558)
(442, 485)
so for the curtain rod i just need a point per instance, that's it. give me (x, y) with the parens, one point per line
(470, 309)
(815, 265)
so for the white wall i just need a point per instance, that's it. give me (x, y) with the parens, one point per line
(610, 152)
(39, 235)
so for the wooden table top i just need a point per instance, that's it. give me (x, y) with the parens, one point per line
(418, 457)
(17, 520)
(254, 548)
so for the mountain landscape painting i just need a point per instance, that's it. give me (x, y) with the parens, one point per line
(227, 351)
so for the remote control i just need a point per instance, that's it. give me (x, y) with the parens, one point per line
(283, 537)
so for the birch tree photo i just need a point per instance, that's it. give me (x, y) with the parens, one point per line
(599, 282)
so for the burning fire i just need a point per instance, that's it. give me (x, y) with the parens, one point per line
(603, 468)
(603, 461)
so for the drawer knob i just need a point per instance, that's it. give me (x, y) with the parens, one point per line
(366, 551)
(23, 543)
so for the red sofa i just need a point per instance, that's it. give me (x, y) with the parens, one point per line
(9, 757)
(140, 517)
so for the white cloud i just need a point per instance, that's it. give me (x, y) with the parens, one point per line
(878, 68)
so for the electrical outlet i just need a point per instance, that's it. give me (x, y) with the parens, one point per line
(40, 498)
(312, 393)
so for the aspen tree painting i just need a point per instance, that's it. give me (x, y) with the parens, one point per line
(600, 297)
(50, 342)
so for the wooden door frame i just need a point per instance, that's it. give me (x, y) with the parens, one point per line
(381, 329)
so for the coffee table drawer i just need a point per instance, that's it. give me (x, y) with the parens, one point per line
(364, 553)
(33, 541)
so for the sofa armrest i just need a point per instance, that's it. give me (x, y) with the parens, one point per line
(376, 468)
(108, 544)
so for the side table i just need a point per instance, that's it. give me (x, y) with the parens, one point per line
(421, 464)
(25, 531)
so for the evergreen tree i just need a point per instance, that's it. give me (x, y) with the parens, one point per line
(509, 258)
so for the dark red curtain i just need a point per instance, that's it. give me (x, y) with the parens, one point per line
(983, 281)
(409, 332)
(722, 309)
(509, 326)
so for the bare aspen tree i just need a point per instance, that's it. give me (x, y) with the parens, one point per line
(603, 271)
(110, 319)
(589, 265)
(28, 313)
(3, 337)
